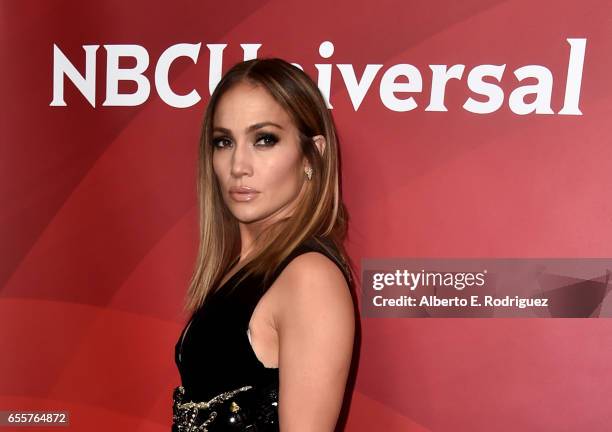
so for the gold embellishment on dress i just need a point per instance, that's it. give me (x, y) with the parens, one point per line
(214, 401)
(234, 407)
(187, 423)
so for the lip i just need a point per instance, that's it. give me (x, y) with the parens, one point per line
(242, 193)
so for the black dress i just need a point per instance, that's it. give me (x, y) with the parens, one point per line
(224, 385)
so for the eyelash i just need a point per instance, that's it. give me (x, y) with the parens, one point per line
(268, 136)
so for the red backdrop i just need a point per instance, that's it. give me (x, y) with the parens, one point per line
(98, 210)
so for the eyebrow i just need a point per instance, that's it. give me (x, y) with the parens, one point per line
(250, 128)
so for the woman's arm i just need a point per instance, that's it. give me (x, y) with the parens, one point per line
(315, 325)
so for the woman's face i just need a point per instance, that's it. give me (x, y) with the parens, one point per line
(256, 155)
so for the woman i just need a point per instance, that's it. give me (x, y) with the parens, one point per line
(270, 339)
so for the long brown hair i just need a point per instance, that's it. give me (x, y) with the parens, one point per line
(320, 212)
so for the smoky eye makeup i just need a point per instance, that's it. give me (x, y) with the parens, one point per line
(266, 139)
(220, 141)
(262, 139)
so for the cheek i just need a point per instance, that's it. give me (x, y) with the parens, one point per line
(218, 167)
(283, 176)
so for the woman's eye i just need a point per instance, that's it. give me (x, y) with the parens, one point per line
(220, 142)
(266, 140)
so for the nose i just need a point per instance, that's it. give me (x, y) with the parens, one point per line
(241, 163)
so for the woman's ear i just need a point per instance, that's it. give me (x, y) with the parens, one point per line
(320, 142)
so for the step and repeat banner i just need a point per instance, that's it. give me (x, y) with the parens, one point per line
(476, 168)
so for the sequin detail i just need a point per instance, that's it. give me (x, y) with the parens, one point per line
(186, 416)
(247, 409)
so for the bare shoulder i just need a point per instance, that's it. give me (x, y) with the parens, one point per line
(313, 282)
(314, 269)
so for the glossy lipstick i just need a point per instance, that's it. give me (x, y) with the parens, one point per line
(242, 193)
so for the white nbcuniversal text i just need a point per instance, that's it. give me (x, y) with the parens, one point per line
(479, 79)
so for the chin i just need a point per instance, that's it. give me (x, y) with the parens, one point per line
(247, 215)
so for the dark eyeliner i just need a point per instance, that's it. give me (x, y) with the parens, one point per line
(268, 136)
(217, 140)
